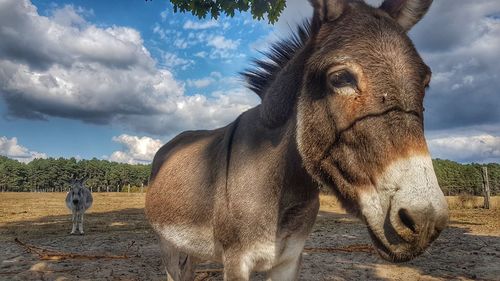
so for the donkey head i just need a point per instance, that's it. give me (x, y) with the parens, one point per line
(360, 121)
(76, 192)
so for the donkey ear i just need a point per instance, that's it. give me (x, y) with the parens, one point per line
(327, 10)
(279, 101)
(281, 96)
(406, 12)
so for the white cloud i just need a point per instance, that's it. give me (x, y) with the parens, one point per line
(220, 47)
(201, 54)
(220, 42)
(164, 15)
(223, 48)
(64, 38)
(200, 83)
(199, 112)
(205, 81)
(174, 37)
(74, 69)
(198, 34)
(83, 72)
(171, 61)
(459, 39)
(295, 13)
(69, 15)
(160, 31)
(11, 149)
(262, 44)
(200, 25)
(180, 43)
(136, 150)
(478, 148)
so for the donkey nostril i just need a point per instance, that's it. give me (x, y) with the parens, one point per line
(406, 219)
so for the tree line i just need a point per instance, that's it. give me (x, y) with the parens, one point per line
(57, 174)
(101, 175)
(455, 178)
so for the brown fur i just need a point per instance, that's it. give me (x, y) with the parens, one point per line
(256, 180)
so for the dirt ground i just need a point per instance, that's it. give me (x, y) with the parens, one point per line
(119, 245)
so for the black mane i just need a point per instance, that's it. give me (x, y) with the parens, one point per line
(261, 76)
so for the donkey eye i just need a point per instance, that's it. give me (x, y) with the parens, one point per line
(341, 79)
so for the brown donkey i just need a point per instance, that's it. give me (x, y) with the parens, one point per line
(342, 107)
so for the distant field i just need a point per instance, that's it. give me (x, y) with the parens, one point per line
(20, 206)
(468, 202)
(468, 250)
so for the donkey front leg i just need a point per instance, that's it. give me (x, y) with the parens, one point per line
(80, 222)
(179, 266)
(286, 271)
(73, 221)
(235, 267)
(236, 272)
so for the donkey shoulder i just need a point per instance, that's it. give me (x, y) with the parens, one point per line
(210, 145)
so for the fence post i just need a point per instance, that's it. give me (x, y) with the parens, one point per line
(486, 187)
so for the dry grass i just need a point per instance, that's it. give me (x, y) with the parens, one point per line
(31, 206)
(330, 203)
(471, 202)
(19, 207)
(464, 212)
(338, 245)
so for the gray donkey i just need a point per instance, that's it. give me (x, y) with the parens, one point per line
(342, 107)
(78, 200)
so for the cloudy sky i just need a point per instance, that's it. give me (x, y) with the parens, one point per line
(96, 79)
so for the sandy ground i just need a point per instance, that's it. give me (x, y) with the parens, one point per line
(115, 226)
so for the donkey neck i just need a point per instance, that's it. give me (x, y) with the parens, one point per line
(279, 106)
(273, 150)
(298, 174)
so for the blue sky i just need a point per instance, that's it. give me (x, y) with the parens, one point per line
(114, 81)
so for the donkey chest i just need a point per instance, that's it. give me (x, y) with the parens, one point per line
(266, 245)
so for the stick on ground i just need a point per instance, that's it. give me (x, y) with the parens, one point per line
(46, 254)
(362, 248)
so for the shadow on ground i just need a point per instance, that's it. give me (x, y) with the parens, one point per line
(456, 255)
